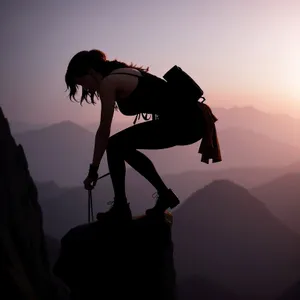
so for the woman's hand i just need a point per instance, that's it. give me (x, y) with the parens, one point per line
(91, 179)
(89, 183)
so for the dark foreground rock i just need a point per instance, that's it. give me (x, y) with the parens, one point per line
(106, 261)
(25, 272)
(292, 293)
(196, 287)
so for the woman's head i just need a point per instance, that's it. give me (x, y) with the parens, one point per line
(82, 70)
(87, 68)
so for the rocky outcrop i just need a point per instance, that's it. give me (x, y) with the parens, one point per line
(291, 293)
(110, 261)
(25, 270)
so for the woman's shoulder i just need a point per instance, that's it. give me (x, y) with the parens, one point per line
(126, 70)
(128, 76)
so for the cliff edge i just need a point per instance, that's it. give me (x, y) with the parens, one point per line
(25, 270)
(106, 261)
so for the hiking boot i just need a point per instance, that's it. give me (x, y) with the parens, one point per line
(165, 200)
(118, 212)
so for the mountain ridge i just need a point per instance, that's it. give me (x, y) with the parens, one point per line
(234, 239)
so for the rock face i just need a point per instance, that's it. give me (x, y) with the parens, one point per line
(25, 271)
(106, 261)
(291, 293)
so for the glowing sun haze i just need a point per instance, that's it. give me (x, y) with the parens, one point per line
(241, 53)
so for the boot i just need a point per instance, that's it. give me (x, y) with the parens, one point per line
(165, 200)
(119, 212)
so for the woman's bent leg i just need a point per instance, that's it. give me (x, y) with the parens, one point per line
(123, 147)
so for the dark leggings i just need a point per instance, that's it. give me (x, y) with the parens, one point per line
(122, 147)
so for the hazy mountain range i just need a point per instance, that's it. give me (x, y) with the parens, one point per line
(62, 152)
(19, 127)
(237, 231)
(234, 240)
(280, 127)
(282, 197)
(223, 232)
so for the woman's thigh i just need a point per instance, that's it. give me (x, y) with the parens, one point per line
(157, 135)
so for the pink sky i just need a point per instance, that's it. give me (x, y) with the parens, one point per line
(240, 52)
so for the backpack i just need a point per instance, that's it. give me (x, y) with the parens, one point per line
(182, 85)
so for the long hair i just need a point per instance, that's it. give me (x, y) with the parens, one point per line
(82, 62)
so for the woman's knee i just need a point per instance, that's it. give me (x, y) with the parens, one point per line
(117, 144)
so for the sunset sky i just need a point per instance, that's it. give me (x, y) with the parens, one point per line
(240, 52)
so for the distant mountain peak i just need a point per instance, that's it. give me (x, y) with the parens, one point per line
(65, 123)
(247, 107)
(219, 186)
(292, 176)
(224, 186)
(287, 180)
(64, 127)
(223, 183)
(48, 183)
(223, 191)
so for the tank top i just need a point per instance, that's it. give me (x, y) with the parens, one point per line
(150, 97)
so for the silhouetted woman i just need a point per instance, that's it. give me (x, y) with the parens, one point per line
(133, 91)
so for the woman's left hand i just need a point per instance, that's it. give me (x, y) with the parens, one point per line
(91, 179)
(89, 183)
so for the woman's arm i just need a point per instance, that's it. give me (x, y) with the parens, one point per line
(108, 98)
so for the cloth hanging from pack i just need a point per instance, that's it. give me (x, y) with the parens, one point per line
(209, 145)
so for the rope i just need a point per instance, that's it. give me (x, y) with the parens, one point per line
(90, 202)
(145, 116)
(90, 207)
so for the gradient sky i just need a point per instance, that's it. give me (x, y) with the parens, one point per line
(240, 52)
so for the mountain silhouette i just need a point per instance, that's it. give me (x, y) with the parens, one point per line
(272, 125)
(70, 209)
(280, 127)
(138, 258)
(65, 150)
(25, 263)
(68, 206)
(20, 127)
(282, 196)
(249, 177)
(225, 239)
(49, 189)
(60, 152)
(232, 238)
(240, 148)
(58, 202)
(292, 168)
(249, 146)
(116, 126)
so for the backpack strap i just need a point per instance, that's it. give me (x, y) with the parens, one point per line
(145, 116)
(135, 75)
